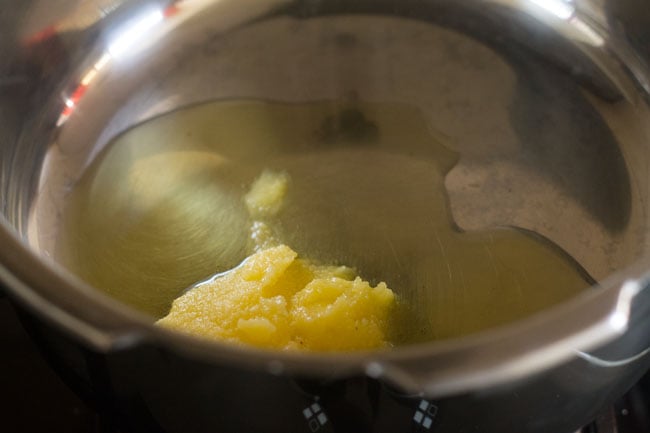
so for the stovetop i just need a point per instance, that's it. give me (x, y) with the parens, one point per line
(36, 400)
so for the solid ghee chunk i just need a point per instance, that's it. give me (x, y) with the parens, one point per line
(266, 195)
(275, 300)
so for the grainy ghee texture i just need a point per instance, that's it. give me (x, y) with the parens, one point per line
(275, 300)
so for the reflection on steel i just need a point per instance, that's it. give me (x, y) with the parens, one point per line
(125, 38)
(132, 33)
(72, 101)
(560, 8)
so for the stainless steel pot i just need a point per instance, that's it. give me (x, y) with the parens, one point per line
(545, 101)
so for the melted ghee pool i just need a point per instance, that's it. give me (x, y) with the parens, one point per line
(163, 208)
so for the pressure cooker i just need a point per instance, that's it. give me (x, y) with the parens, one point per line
(546, 103)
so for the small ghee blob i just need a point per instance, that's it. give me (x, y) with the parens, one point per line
(275, 300)
(266, 195)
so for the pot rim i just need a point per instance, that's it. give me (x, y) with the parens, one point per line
(494, 356)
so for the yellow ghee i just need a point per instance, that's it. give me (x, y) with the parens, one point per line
(275, 300)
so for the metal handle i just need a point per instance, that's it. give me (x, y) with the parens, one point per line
(536, 344)
(634, 344)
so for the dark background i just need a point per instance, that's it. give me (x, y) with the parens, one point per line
(33, 398)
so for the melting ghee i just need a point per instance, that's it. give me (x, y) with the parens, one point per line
(276, 301)
(164, 207)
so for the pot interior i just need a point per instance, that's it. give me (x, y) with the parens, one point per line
(487, 162)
